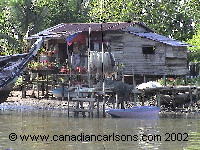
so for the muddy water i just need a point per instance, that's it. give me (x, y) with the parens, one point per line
(163, 133)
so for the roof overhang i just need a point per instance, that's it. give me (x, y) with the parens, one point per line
(161, 39)
(66, 29)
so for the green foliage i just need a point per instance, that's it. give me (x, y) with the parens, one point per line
(26, 17)
(8, 43)
(194, 55)
(63, 11)
(108, 11)
(180, 81)
(19, 81)
(169, 17)
(194, 81)
(21, 18)
(172, 81)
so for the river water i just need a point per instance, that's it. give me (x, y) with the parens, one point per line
(163, 133)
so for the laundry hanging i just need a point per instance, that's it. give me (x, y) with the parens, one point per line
(95, 61)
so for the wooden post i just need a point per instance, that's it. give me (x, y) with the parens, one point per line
(186, 82)
(43, 85)
(123, 78)
(69, 82)
(92, 105)
(23, 91)
(76, 113)
(198, 94)
(92, 109)
(23, 88)
(134, 84)
(83, 113)
(104, 103)
(144, 79)
(47, 84)
(63, 92)
(173, 98)
(98, 107)
(158, 98)
(135, 99)
(134, 87)
(38, 92)
(164, 78)
(89, 72)
(103, 75)
(117, 101)
(190, 94)
(113, 105)
(116, 73)
(68, 97)
(143, 98)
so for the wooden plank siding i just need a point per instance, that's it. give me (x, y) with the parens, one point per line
(167, 60)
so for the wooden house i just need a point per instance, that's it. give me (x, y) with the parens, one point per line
(141, 51)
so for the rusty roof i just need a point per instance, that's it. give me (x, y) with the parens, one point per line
(70, 28)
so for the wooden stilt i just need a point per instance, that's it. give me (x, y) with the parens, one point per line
(42, 85)
(185, 80)
(117, 101)
(164, 79)
(173, 99)
(23, 88)
(82, 108)
(104, 103)
(144, 79)
(123, 78)
(143, 98)
(68, 97)
(92, 109)
(92, 106)
(97, 107)
(76, 113)
(113, 105)
(47, 85)
(63, 92)
(190, 95)
(198, 93)
(158, 98)
(134, 87)
(135, 99)
(38, 92)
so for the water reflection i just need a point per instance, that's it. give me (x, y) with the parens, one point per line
(51, 123)
(194, 142)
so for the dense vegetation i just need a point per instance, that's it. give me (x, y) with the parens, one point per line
(174, 18)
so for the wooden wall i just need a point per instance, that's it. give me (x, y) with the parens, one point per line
(167, 60)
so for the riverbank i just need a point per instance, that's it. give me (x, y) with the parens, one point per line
(16, 102)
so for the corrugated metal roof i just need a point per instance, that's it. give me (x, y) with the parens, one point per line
(160, 38)
(71, 28)
(67, 29)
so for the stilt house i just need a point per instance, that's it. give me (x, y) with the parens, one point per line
(136, 47)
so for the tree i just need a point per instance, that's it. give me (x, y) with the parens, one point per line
(8, 43)
(21, 18)
(194, 55)
(169, 17)
(26, 17)
(63, 11)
